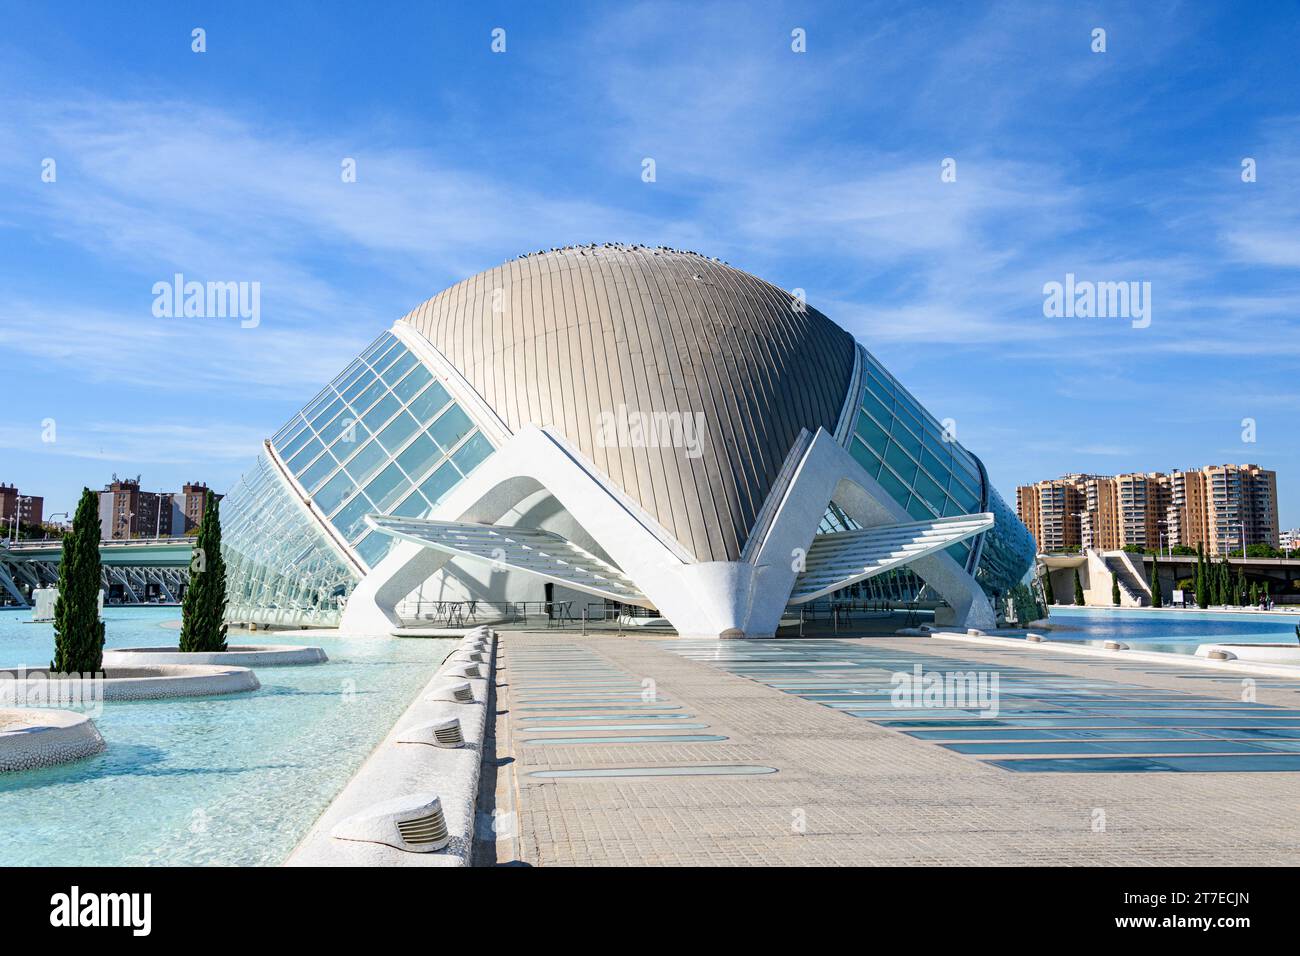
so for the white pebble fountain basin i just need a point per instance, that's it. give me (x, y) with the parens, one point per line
(31, 738)
(238, 655)
(140, 682)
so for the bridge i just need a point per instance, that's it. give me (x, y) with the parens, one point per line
(138, 571)
(1281, 574)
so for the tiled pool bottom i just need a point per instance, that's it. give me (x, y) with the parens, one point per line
(1045, 722)
(230, 781)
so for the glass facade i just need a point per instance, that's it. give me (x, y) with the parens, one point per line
(280, 569)
(1009, 552)
(384, 437)
(904, 447)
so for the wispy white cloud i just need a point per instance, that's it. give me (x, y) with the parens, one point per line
(155, 442)
(166, 356)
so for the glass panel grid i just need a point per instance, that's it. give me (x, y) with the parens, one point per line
(392, 433)
(902, 446)
(280, 567)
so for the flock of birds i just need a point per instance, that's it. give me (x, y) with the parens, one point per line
(592, 247)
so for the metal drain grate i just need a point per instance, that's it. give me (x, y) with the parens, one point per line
(449, 734)
(431, 828)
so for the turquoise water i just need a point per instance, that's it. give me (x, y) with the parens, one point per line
(233, 780)
(1177, 632)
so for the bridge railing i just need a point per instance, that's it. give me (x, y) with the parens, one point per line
(42, 544)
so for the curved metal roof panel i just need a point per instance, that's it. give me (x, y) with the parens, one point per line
(682, 379)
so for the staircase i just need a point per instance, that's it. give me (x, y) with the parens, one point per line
(1133, 590)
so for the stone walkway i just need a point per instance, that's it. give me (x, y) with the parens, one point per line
(846, 790)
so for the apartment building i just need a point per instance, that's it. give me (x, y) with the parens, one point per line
(189, 503)
(1215, 506)
(125, 511)
(28, 509)
(1241, 507)
(1049, 509)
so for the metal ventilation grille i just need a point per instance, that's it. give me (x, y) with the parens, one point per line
(449, 736)
(465, 694)
(431, 828)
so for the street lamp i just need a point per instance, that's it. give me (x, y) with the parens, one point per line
(13, 523)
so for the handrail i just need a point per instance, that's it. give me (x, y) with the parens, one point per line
(34, 544)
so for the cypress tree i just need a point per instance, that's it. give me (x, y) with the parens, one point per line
(1078, 589)
(78, 631)
(1114, 589)
(1202, 584)
(1239, 592)
(1157, 599)
(1048, 596)
(204, 607)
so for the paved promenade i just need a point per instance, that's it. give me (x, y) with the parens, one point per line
(847, 789)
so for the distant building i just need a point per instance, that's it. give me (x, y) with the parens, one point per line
(1289, 540)
(28, 508)
(1210, 506)
(125, 511)
(1050, 510)
(188, 506)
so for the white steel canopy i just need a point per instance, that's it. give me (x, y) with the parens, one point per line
(518, 549)
(842, 558)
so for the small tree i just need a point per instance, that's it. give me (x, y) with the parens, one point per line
(1202, 585)
(1114, 589)
(1078, 589)
(78, 631)
(1239, 595)
(203, 627)
(1048, 596)
(1157, 599)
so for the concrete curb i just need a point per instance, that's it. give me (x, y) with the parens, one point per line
(138, 682)
(238, 655)
(44, 738)
(1280, 655)
(1150, 657)
(397, 769)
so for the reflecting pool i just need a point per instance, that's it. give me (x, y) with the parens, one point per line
(221, 780)
(1173, 631)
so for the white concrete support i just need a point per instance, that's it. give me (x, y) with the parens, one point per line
(372, 606)
(829, 473)
(701, 599)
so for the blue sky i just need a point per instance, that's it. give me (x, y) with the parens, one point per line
(818, 170)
